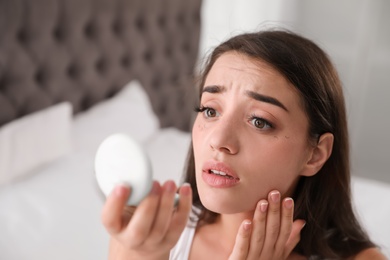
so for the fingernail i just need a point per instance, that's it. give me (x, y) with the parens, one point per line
(155, 188)
(247, 225)
(275, 196)
(304, 224)
(263, 206)
(169, 186)
(121, 189)
(185, 189)
(288, 203)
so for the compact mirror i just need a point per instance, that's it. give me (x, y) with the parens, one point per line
(120, 159)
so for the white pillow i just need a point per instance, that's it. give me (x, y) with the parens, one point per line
(168, 151)
(129, 111)
(33, 140)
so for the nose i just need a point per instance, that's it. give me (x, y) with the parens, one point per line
(224, 136)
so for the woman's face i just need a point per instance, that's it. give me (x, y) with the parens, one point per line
(250, 136)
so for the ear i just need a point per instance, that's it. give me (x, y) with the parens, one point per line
(319, 155)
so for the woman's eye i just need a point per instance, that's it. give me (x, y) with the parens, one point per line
(260, 123)
(207, 111)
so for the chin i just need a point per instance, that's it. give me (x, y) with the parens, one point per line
(218, 204)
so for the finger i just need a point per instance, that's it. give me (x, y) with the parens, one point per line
(258, 232)
(295, 235)
(241, 246)
(113, 209)
(143, 218)
(181, 214)
(164, 213)
(286, 224)
(127, 214)
(273, 223)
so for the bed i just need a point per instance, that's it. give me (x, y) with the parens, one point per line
(73, 72)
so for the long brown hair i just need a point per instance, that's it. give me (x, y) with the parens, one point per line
(323, 200)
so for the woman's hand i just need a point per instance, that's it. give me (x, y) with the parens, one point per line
(272, 234)
(150, 230)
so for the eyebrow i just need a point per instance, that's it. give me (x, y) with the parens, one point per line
(267, 99)
(260, 97)
(213, 89)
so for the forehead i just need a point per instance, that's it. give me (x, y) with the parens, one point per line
(242, 62)
(245, 68)
(234, 70)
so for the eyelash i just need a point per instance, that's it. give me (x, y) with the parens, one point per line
(202, 109)
(268, 125)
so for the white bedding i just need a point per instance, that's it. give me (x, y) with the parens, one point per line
(54, 212)
(371, 199)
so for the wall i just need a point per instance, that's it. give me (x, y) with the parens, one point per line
(355, 34)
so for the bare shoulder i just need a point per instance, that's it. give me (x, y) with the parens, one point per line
(370, 253)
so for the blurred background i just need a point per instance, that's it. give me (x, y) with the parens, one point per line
(355, 34)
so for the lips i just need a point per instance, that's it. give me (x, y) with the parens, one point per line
(219, 174)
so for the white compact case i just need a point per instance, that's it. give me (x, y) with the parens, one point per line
(121, 160)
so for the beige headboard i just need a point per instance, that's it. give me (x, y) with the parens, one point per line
(85, 51)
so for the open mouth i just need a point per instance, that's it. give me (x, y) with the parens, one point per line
(220, 173)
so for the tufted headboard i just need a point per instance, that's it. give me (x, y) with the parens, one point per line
(85, 51)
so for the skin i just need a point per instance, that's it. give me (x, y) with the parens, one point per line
(268, 157)
(263, 157)
(266, 160)
(153, 229)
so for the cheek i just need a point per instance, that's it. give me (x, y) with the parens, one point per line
(275, 166)
(289, 153)
(198, 131)
(197, 138)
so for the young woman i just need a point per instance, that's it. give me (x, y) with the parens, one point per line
(268, 172)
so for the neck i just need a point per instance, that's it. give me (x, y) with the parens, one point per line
(227, 226)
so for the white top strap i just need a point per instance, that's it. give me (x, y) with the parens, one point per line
(181, 250)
